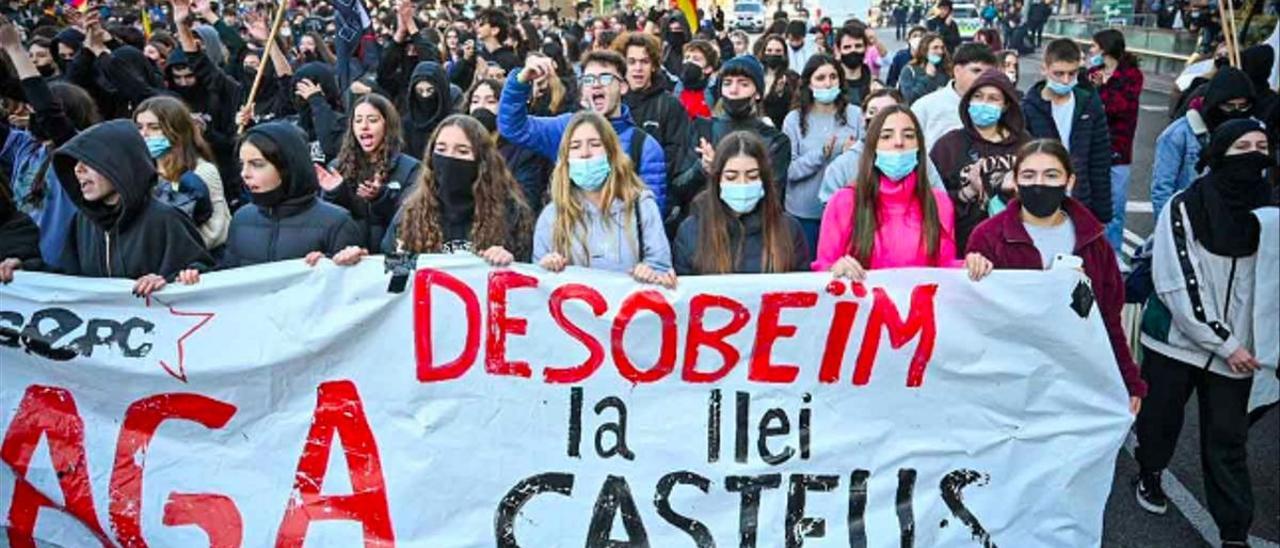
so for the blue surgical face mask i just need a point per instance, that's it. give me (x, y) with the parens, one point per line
(1059, 88)
(984, 115)
(158, 146)
(934, 59)
(589, 173)
(1095, 61)
(826, 96)
(742, 197)
(897, 165)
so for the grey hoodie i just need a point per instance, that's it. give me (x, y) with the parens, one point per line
(612, 247)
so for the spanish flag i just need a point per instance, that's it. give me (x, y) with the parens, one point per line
(690, 10)
(146, 21)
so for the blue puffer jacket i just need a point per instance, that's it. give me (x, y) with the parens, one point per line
(1177, 151)
(542, 135)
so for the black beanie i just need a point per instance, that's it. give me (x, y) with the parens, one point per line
(1223, 137)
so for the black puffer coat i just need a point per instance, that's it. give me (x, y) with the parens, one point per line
(302, 223)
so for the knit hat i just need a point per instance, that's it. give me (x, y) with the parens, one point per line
(744, 65)
(1223, 137)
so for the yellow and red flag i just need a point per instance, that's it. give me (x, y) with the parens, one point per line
(690, 10)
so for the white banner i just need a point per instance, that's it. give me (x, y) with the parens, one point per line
(284, 405)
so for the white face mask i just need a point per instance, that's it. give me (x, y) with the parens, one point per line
(913, 44)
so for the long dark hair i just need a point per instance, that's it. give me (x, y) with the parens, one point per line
(714, 217)
(1111, 42)
(866, 220)
(804, 100)
(1051, 147)
(499, 201)
(353, 163)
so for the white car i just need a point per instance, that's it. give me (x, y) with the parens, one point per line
(748, 16)
(967, 19)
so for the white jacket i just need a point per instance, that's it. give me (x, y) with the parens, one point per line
(1210, 297)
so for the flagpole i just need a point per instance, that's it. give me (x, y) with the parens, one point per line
(266, 58)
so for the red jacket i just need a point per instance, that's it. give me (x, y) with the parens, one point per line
(1120, 99)
(1004, 241)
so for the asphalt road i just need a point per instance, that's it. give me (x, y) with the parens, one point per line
(1188, 523)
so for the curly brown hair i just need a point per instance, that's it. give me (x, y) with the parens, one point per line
(502, 217)
(353, 163)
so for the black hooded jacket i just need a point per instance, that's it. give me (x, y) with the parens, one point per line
(19, 235)
(130, 77)
(321, 116)
(302, 223)
(139, 235)
(421, 116)
(214, 99)
(1257, 62)
(661, 115)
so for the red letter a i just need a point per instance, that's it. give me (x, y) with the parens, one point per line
(338, 409)
(51, 412)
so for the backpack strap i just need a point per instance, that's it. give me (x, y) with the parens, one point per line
(639, 232)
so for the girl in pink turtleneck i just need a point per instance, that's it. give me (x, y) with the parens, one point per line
(889, 218)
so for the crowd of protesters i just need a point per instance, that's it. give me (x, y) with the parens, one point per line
(635, 142)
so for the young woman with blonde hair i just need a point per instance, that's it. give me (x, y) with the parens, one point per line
(601, 215)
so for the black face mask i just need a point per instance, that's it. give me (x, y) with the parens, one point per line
(486, 118)
(1244, 170)
(1215, 116)
(775, 62)
(47, 70)
(853, 60)
(455, 182)
(692, 77)
(270, 198)
(677, 40)
(737, 108)
(1042, 200)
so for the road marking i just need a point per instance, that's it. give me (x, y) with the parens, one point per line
(1154, 108)
(1191, 508)
(1132, 237)
(1133, 206)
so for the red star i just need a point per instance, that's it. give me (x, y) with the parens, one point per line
(181, 373)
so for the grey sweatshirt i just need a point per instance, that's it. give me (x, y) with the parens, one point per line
(613, 246)
(808, 162)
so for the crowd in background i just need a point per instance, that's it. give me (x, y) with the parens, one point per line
(160, 142)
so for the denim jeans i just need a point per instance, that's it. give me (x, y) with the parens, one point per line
(1119, 197)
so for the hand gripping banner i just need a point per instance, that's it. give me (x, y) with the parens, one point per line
(285, 405)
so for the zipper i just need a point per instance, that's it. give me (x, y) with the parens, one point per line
(1226, 308)
(107, 235)
(275, 235)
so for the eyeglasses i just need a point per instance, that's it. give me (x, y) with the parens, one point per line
(597, 79)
